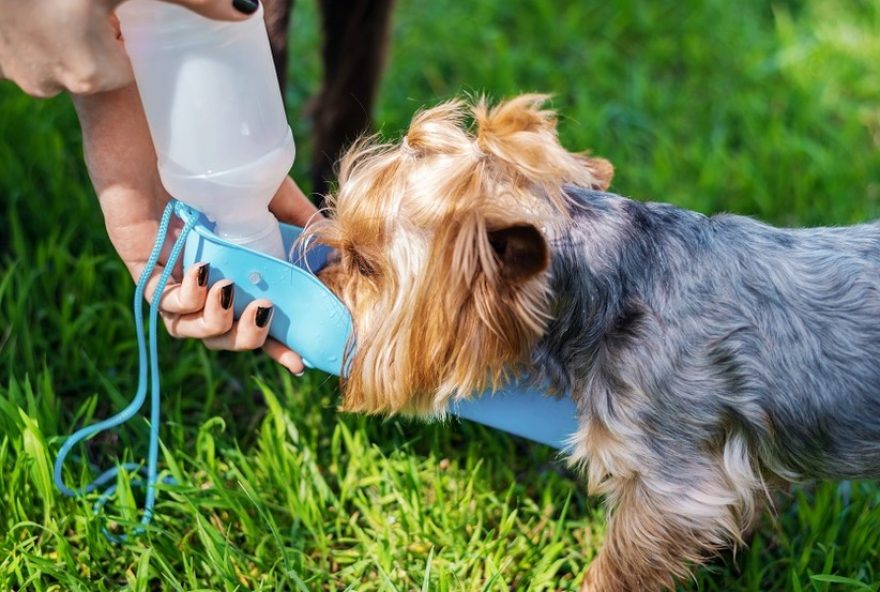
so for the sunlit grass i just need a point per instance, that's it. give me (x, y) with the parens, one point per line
(757, 108)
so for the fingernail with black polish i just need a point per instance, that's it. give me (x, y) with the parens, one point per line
(264, 313)
(203, 275)
(246, 6)
(226, 293)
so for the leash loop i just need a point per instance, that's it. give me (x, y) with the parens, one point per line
(140, 396)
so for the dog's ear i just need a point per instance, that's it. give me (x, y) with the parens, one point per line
(494, 254)
(520, 250)
(602, 171)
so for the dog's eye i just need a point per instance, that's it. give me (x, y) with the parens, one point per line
(364, 267)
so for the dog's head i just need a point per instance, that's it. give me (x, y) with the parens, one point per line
(442, 256)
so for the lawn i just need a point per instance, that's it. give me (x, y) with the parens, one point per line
(765, 109)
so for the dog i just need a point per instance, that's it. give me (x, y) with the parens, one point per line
(710, 358)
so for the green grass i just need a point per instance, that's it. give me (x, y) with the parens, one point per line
(771, 110)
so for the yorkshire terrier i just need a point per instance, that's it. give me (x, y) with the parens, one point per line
(709, 357)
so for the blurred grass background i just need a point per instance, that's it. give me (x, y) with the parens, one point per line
(770, 109)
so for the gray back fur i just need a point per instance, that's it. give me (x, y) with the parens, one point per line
(720, 325)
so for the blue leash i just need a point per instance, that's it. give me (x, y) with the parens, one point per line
(141, 393)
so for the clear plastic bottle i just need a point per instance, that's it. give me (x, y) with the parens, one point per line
(215, 113)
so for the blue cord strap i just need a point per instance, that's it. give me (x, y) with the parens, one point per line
(140, 395)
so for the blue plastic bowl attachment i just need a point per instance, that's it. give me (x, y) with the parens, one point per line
(307, 316)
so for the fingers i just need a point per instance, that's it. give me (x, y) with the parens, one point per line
(249, 332)
(224, 10)
(291, 205)
(216, 318)
(189, 295)
(192, 309)
(284, 356)
(180, 296)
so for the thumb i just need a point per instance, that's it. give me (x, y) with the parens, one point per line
(292, 206)
(222, 10)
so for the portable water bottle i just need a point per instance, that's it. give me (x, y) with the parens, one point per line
(215, 114)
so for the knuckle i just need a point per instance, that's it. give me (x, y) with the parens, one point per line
(85, 80)
(219, 325)
(250, 342)
(83, 87)
(43, 89)
(42, 92)
(187, 304)
(212, 344)
(171, 327)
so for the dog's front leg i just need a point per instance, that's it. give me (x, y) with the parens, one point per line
(660, 526)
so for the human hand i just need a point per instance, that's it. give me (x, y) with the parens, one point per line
(47, 46)
(122, 164)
